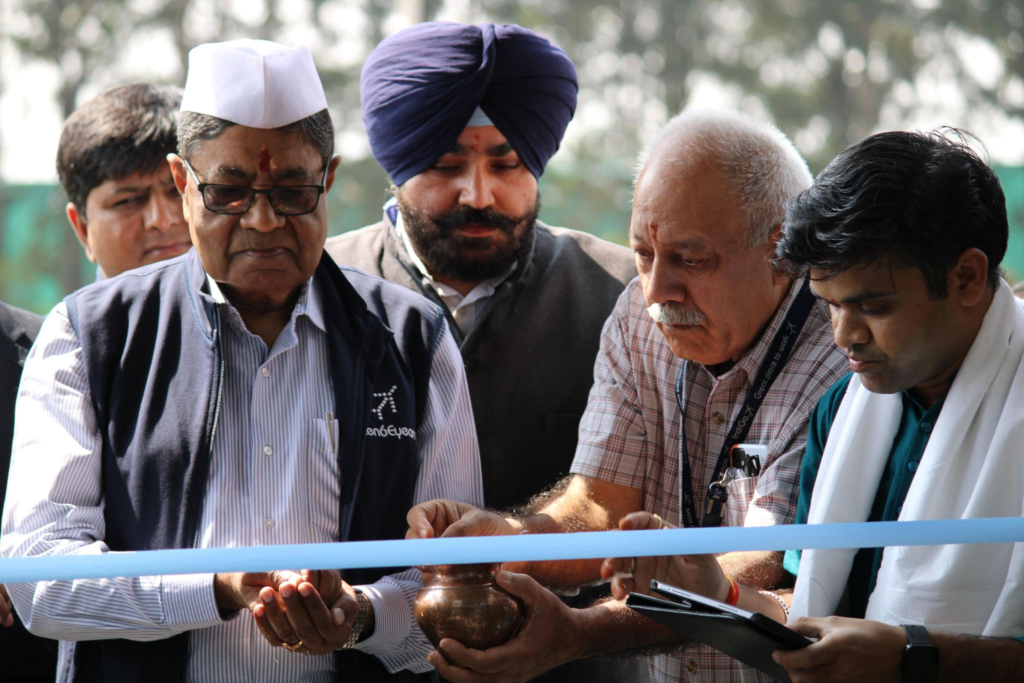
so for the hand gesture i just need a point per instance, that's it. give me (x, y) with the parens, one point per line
(303, 619)
(847, 650)
(447, 518)
(696, 573)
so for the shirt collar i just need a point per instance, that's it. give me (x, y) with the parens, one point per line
(308, 304)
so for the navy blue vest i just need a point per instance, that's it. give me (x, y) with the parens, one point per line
(151, 347)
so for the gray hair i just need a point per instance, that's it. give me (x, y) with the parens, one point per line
(761, 164)
(194, 128)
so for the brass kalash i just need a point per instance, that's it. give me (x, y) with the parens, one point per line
(464, 602)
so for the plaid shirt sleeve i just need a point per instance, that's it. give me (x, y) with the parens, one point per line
(613, 440)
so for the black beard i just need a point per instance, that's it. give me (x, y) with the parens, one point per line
(469, 259)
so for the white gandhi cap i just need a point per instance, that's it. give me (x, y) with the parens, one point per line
(253, 83)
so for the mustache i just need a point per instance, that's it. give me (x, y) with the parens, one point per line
(486, 218)
(675, 314)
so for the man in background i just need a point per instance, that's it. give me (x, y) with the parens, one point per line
(112, 163)
(465, 146)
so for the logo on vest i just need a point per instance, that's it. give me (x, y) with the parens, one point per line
(387, 400)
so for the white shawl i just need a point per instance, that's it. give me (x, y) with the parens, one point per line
(972, 467)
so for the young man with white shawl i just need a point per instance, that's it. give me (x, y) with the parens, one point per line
(902, 235)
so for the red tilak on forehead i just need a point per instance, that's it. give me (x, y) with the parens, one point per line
(654, 231)
(263, 160)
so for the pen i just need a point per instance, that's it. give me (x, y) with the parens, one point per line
(329, 419)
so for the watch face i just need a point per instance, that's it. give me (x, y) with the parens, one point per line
(920, 664)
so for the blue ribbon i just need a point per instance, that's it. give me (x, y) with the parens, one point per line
(527, 547)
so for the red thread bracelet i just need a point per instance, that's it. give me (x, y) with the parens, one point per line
(734, 591)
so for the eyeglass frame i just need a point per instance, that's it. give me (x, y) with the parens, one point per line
(201, 187)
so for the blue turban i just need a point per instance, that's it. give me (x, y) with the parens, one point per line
(421, 86)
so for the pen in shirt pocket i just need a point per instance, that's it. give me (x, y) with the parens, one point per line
(329, 421)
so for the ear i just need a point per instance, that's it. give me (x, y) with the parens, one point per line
(332, 168)
(181, 182)
(779, 276)
(80, 227)
(969, 277)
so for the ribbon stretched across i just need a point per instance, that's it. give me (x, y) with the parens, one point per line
(510, 548)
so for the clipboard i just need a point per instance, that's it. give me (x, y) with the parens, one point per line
(749, 637)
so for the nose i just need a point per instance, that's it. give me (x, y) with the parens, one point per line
(261, 216)
(663, 283)
(164, 213)
(477, 190)
(849, 329)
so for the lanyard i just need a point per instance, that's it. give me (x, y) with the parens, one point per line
(778, 353)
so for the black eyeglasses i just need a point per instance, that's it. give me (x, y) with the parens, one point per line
(290, 200)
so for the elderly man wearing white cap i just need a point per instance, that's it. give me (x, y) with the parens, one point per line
(247, 393)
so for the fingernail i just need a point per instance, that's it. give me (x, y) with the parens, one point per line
(504, 574)
(305, 589)
(287, 590)
(267, 596)
(339, 616)
(258, 611)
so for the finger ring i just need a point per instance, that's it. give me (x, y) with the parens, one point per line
(661, 522)
(294, 648)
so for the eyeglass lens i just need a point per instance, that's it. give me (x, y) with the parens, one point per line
(234, 199)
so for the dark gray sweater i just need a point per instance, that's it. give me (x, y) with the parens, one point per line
(530, 358)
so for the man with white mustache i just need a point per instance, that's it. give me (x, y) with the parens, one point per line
(711, 347)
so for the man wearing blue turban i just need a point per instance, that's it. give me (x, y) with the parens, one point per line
(464, 119)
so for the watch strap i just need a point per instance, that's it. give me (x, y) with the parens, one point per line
(357, 626)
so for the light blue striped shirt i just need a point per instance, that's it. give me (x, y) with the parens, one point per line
(272, 480)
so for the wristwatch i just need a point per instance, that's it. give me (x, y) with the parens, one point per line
(357, 626)
(920, 661)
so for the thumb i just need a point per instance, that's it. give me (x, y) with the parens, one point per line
(806, 626)
(640, 520)
(519, 585)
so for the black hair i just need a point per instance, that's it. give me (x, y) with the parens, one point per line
(119, 132)
(919, 198)
(317, 130)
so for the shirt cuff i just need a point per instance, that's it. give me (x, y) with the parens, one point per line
(189, 602)
(392, 619)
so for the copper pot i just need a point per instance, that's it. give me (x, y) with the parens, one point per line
(464, 602)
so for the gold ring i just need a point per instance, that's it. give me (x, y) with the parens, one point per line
(294, 648)
(661, 522)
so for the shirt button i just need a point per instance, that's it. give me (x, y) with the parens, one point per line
(926, 426)
(268, 450)
(269, 522)
(266, 372)
(912, 466)
(718, 419)
(692, 667)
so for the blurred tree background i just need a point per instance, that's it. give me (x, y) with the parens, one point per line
(827, 73)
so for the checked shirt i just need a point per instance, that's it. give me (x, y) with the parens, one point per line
(630, 434)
